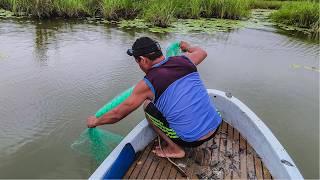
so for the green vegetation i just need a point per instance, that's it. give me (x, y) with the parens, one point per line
(227, 9)
(159, 13)
(300, 14)
(117, 9)
(181, 26)
(267, 4)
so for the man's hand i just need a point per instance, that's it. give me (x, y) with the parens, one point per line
(184, 46)
(92, 121)
(195, 54)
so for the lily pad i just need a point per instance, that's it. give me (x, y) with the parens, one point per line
(6, 14)
(309, 68)
(185, 25)
(3, 56)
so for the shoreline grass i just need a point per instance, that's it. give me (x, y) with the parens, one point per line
(300, 13)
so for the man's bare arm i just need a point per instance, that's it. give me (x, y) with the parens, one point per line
(195, 54)
(140, 93)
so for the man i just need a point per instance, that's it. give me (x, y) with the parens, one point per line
(176, 102)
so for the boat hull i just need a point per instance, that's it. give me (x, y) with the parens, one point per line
(235, 113)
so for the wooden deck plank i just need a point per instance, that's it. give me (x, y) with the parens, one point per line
(132, 167)
(223, 144)
(236, 159)
(250, 163)
(266, 173)
(258, 166)
(152, 168)
(142, 161)
(229, 152)
(159, 169)
(243, 158)
(193, 164)
(166, 170)
(243, 163)
(215, 146)
(173, 173)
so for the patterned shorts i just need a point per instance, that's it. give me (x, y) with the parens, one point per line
(157, 119)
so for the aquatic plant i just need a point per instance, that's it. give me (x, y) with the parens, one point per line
(228, 9)
(264, 4)
(188, 9)
(72, 8)
(181, 26)
(6, 14)
(301, 14)
(117, 9)
(159, 13)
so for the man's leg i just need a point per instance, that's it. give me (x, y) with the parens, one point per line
(172, 150)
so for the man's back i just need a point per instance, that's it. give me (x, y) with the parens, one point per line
(182, 98)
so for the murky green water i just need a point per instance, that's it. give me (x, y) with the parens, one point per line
(54, 74)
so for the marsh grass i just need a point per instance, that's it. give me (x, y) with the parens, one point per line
(301, 14)
(162, 13)
(264, 4)
(188, 9)
(72, 8)
(119, 9)
(235, 9)
(159, 13)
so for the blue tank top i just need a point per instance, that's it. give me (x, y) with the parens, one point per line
(182, 98)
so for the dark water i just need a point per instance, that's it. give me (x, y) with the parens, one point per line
(54, 74)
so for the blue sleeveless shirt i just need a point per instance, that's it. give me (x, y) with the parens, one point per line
(182, 98)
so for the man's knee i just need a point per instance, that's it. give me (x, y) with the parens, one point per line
(146, 103)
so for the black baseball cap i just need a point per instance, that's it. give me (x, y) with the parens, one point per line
(143, 45)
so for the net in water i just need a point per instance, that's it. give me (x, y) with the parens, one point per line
(96, 143)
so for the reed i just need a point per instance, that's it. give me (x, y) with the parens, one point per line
(73, 8)
(118, 9)
(188, 9)
(301, 14)
(159, 13)
(228, 9)
(258, 4)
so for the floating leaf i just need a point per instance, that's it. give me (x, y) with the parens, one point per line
(310, 68)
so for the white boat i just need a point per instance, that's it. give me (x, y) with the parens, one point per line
(236, 114)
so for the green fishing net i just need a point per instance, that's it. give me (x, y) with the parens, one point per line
(96, 143)
(173, 49)
(114, 102)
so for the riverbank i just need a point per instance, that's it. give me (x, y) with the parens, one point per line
(299, 14)
(302, 14)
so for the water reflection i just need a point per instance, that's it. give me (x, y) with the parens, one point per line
(43, 108)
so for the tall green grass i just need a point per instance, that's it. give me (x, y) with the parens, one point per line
(228, 9)
(159, 13)
(187, 9)
(301, 14)
(117, 9)
(264, 4)
(72, 8)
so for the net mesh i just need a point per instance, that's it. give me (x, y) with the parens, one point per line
(173, 49)
(96, 143)
(114, 102)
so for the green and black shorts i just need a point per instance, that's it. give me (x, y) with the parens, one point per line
(156, 117)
